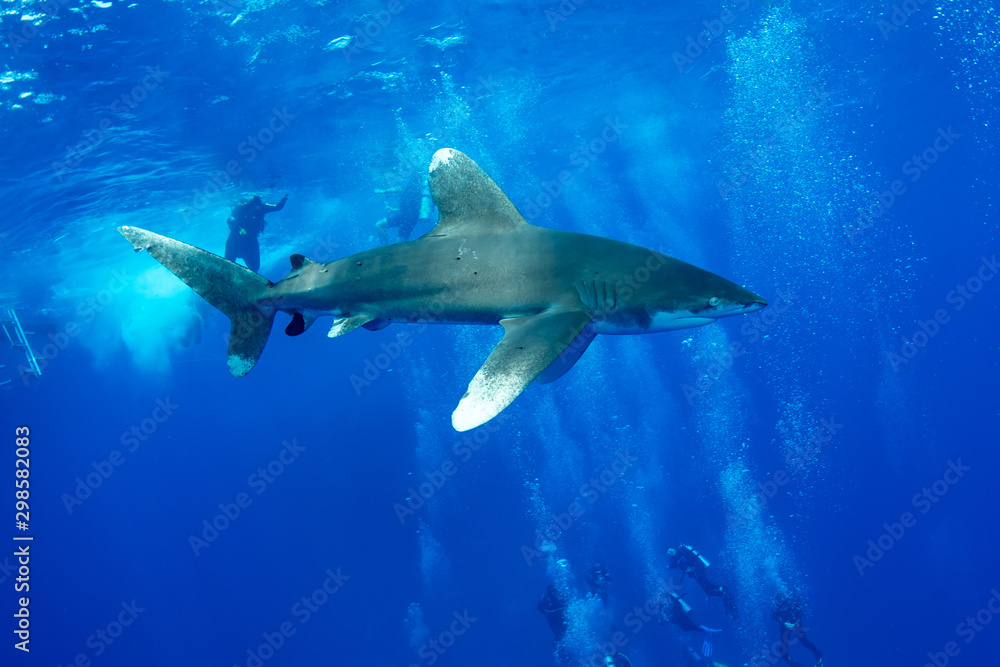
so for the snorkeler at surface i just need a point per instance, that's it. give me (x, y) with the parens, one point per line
(678, 612)
(414, 206)
(245, 224)
(787, 611)
(690, 562)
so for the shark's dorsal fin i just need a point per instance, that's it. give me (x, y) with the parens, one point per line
(467, 199)
(529, 345)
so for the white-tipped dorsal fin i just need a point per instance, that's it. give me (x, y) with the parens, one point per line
(467, 199)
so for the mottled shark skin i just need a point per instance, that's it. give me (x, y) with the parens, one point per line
(552, 291)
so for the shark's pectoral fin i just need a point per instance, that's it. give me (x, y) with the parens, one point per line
(529, 345)
(569, 356)
(343, 325)
(376, 325)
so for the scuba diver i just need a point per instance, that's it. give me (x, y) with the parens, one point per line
(678, 612)
(414, 206)
(553, 608)
(245, 224)
(690, 562)
(787, 611)
(598, 580)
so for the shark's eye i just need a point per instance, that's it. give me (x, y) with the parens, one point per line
(714, 301)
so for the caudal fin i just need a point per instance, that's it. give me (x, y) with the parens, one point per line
(235, 290)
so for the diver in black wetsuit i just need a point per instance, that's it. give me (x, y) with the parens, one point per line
(245, 224)
(414, 206)
(598, 579)
(690, 562)
(553, 608)
(678, 612)
(787, 611)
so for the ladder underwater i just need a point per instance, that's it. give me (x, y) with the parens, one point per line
(19, 339)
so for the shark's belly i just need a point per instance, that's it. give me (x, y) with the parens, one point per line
(658, 322)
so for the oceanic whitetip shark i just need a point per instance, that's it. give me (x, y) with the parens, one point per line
(483, 263)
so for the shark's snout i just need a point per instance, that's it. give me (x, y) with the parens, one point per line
(756, 303)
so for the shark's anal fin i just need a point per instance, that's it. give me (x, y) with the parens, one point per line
(569, 356)
(529, 345)
(343, 325)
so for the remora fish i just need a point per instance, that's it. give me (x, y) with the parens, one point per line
(552, 291)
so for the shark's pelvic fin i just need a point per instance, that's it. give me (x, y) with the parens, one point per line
(529, 345)
(343, 325)
(468, 200)
(299, 324)
(235, 290)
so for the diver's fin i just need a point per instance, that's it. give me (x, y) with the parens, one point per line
(299, 324)
(569, 356)
(235, 290)
(467, 199)
(529, 345)
(343, 325)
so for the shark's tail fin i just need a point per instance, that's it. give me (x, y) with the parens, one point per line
(235, 290)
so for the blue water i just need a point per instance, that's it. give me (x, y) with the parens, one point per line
(779, 459)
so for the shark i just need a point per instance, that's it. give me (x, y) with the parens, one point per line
(552, 291)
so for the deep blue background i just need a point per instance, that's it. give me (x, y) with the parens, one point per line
(520, 87)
